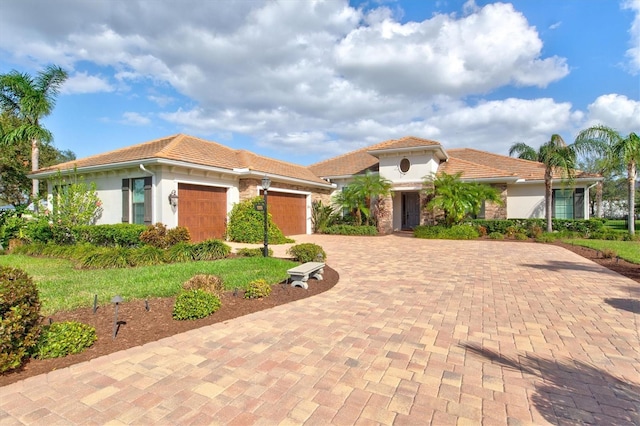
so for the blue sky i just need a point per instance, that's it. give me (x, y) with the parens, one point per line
(302, 81)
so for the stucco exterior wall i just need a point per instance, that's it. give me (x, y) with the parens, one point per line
(422, 165)
(525, 201)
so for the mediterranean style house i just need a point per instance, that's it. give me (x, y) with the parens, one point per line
(182, 180)
(408, 161)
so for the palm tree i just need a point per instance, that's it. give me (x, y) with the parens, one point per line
(623, 151)
(556, 156)
(458, 199)
(372, 188)
(30, 99)
(363, 196)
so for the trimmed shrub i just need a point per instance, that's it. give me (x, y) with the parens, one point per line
(210, 250)
(252, 252)
(496, 235)
(257, 289)
(246, 225)
(159, 236)
(195, 304)
(181, 252)
(107, 257)
(146, 255)
(521, 236)
(455, 232)
(546, 237)
(583, 226)
(19, 317)
(118, 235)
(63, 338)
(176, 235)
(307, 252)
(210, 283)
(351, 230)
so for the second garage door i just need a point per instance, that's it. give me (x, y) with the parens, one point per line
(202, 210)
(289, 212)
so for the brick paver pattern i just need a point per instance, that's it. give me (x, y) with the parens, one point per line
(415, 332)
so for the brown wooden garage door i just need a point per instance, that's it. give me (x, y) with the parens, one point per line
(289, 212)
(203, 210)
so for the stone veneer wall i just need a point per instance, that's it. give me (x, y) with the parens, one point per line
(385, 215)
(495, 211)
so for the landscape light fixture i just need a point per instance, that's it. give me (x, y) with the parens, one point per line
(266, 183)
(116, 300)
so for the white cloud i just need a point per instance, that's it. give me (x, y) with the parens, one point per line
(443, 55)
(135, 119)
(634, 52)
(81, 82)
(615, 111)
(321, 74)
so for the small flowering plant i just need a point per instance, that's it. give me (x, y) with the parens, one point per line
(74, 202)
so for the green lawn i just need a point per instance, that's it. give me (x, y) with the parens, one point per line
(62, 287)
(620, 225)
(627, 250)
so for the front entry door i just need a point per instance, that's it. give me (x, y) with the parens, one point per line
(410, 210)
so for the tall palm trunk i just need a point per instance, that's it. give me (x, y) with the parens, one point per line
(35, 160)
(548, 195)
(631, 182)
(599, 189)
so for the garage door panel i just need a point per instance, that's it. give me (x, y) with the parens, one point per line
(289, 212)
(203, 210)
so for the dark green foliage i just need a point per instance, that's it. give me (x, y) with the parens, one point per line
(246, 225)
(39, 231)
(119, 235)
(533, 227)
(181, 252)
(19, 317)
(12, 225)
(63, 338)
(158, 236)
(257, 289)
(253, 252)
(210, 250)
(210, 283)
(351, 230)
(307, 252)
(146, 255)
(195, 304)
(456, 232)
(107, 257)
(495, 235)
(322, 217)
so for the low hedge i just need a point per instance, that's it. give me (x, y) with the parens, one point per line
(439, 232)
(507, 226)
(350, 230)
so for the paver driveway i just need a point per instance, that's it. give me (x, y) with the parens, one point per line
(415, 332)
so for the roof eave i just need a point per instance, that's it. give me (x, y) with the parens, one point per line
(410, 149)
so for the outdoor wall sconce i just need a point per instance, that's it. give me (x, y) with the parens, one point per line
(173, 198)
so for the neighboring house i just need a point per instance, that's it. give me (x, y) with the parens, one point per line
(406, 162)
(135, 185)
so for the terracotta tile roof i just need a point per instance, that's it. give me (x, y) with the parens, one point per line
(523, 169)
(406, 142)
(471, 170)
(359, 161)
(192, 150)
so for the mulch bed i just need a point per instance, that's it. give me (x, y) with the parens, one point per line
(141, 326)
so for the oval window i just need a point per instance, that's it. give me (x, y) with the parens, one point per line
(405, 164)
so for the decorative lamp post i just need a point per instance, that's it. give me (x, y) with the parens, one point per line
(266, 183)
